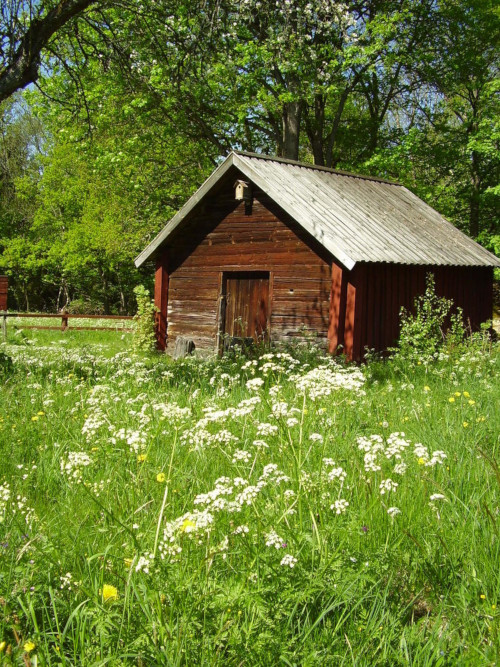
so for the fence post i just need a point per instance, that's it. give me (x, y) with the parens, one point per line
(3, 313)
(64, 320)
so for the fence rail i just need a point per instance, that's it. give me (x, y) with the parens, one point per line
(64, 317)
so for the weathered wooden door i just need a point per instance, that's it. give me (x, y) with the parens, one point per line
(246, 305)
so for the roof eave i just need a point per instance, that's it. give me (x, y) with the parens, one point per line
(234, 159)
(325, 241)
(174, 222)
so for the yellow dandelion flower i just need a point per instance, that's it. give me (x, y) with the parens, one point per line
(35, 418)
(95, 449)
(421, 461)
(451, 399)
(427, 388)
(471, 402)
(29, 646)
(466, 394)
(41, 413)
(141, 458)
(493, 606)
(2, 646)
(465, 424)
(109, 593)
(457, 393)
(128, 561)
(161, 477)
(188, 526)
(482, 596)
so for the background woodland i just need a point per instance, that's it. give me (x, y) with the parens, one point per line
(130, 105)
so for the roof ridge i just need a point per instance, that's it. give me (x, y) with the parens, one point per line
(307, 165)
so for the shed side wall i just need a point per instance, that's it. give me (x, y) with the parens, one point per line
(222, 237)
(4, 283)
(386, 288)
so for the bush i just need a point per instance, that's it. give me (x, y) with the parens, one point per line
(144, 326)
(6, 365)
(433, 326)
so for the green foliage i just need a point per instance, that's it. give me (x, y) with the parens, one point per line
(149, 442)
(144, 324)
(6, 365)
(431, 327)
(141, 103)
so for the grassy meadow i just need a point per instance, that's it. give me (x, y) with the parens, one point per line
(286, 509)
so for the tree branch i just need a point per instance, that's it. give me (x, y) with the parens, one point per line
(25, 63)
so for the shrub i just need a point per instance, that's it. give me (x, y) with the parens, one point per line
(6, 365)
(433, 326)
(144, 327)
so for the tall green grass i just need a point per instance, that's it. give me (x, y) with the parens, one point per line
(82, 578)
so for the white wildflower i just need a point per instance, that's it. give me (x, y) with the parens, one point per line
(393, 511)
(254, 384)
(241, 455)
(288, 561)
(387, 486)
(273, 540)
(340, 506)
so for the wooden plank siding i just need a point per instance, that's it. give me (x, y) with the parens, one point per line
(309, 289)
(221, 238)
(161, 299)
(4, 283)
(377, 292)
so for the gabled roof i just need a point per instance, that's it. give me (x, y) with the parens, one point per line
(357, 218)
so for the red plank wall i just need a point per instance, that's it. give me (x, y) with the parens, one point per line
(376, 293)
(222, 237)
(309, 290)
(4, 283)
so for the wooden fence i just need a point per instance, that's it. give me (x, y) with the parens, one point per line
(64, 317)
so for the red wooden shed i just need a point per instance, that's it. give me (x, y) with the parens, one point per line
(4, 284)
(272, 248)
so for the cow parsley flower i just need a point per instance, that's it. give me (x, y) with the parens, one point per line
(288, 561)
(273, 540)
(393, 511)
(340, 506)
(387, 486)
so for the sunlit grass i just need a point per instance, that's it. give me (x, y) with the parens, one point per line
(182, 513)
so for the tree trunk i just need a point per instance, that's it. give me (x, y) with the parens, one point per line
(315, 128)
(58, 301)
(105, 286)
(292, 112)
(474, 204)
(330, 162)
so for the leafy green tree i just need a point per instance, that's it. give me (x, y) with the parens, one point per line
(447, 145)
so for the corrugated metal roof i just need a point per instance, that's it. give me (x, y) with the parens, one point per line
(357, 218)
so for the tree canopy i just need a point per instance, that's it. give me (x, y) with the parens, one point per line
(138, 101)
